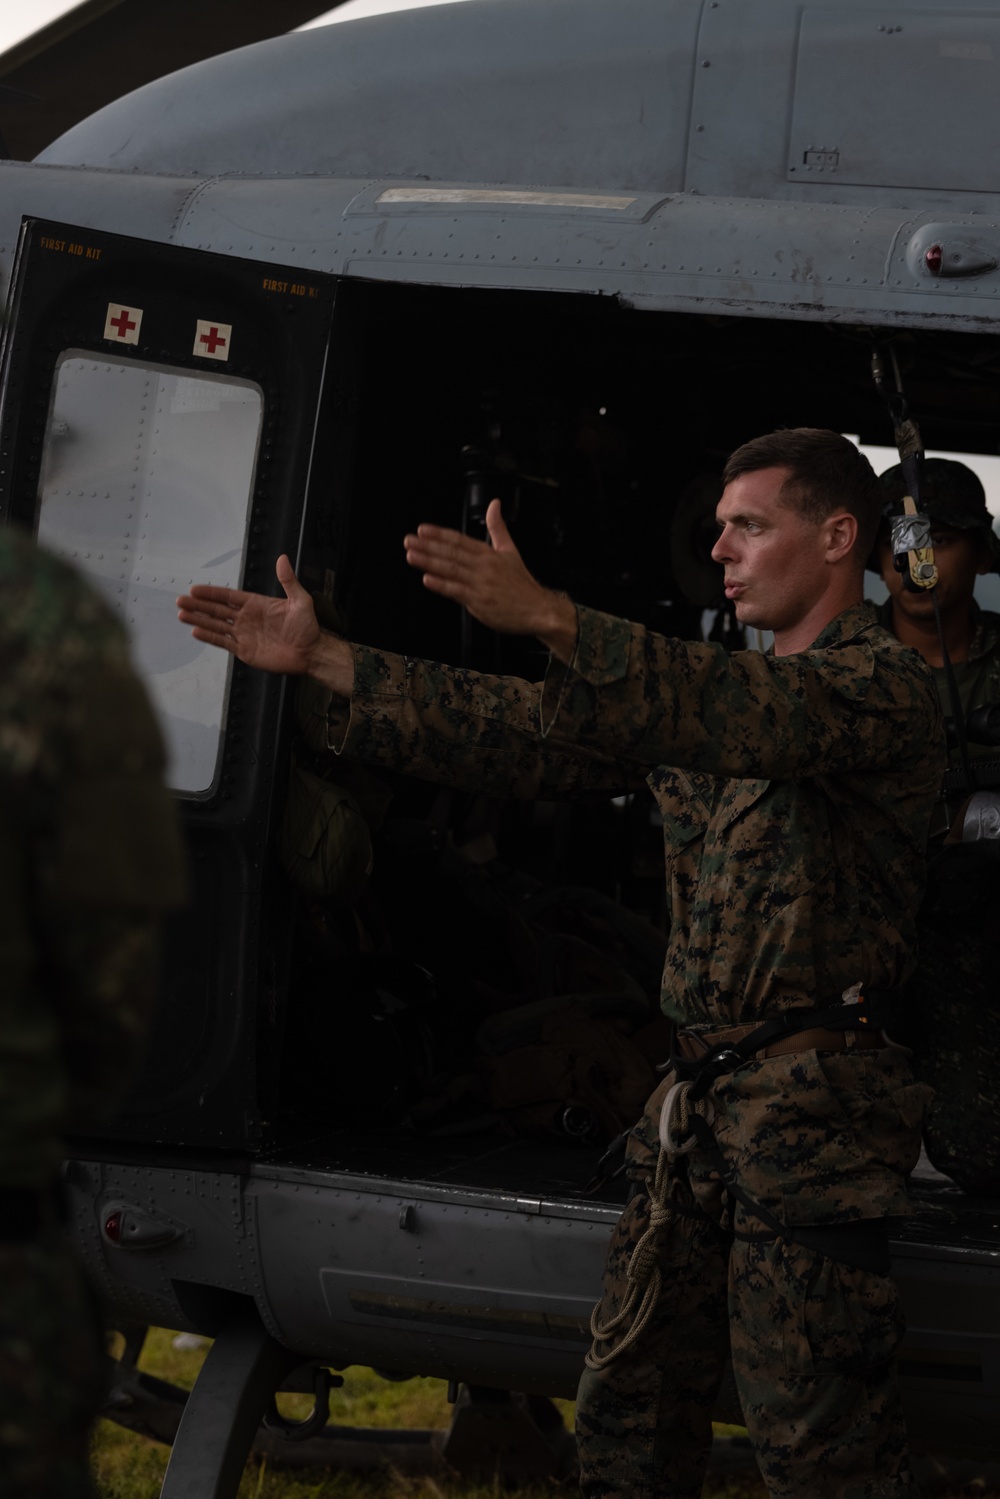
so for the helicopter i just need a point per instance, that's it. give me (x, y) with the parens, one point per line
(298, 297)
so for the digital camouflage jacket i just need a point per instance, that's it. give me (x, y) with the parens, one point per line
(977, 677)
(89, 860)
(795, 793)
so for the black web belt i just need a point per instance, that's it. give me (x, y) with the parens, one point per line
(863, 1243)
(874, 1013)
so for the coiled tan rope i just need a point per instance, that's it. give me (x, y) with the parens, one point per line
(644, 1275)
(644, 1279)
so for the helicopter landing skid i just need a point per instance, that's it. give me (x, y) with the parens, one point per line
(221, 1416)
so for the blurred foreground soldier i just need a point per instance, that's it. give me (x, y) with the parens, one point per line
(795, 790)
(955, 1013)
(89, 859)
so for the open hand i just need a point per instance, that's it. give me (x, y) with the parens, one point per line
(491, 581)
(274, 634)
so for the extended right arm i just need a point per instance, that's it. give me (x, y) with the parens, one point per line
(440, 723)
(455, 727)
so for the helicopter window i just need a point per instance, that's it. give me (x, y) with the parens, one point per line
(146, 487)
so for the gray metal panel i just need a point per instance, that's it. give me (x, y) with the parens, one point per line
(745, 78)
(579, 92)
(147, 207)
(589, 1210)
(658, 95)
(416, 1283)
(739, 112)
(467, 1283)
(917, 106)
(216, 1246)
(951, 1356)
(685, 253)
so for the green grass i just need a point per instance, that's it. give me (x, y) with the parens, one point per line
(127, 1466)
(131, 1467)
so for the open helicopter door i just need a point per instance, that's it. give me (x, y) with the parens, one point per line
(158, 412)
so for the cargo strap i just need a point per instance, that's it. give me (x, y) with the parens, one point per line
(698, 1060)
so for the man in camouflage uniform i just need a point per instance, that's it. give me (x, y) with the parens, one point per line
(795, 790)
(89, 858)
(954, 999)
(965, 547)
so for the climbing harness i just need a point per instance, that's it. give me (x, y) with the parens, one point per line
(697, 1060)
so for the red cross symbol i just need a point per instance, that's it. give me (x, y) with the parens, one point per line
(213, 338)
(122, 322)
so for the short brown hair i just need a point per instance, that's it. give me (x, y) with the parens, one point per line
(826, 473)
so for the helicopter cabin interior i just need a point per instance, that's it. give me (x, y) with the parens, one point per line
(603, 430)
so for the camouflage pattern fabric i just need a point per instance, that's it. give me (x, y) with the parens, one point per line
(812, 1340)
(89, 860)
(813, 1345)
(53, 1371)
(644, 1423)
(795, 795)
(977, 677)
(795, 804)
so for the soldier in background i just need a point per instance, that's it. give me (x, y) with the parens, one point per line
(955, 1030)
(89, 861)
(965, 548)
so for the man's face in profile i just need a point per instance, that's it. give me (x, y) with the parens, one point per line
(773, 557)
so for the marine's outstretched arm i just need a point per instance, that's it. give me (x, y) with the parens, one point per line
(283, 635)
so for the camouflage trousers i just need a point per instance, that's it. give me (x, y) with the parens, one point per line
(813, 1346)
(52, 1371)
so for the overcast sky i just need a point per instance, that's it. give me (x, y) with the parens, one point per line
(19, 18)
